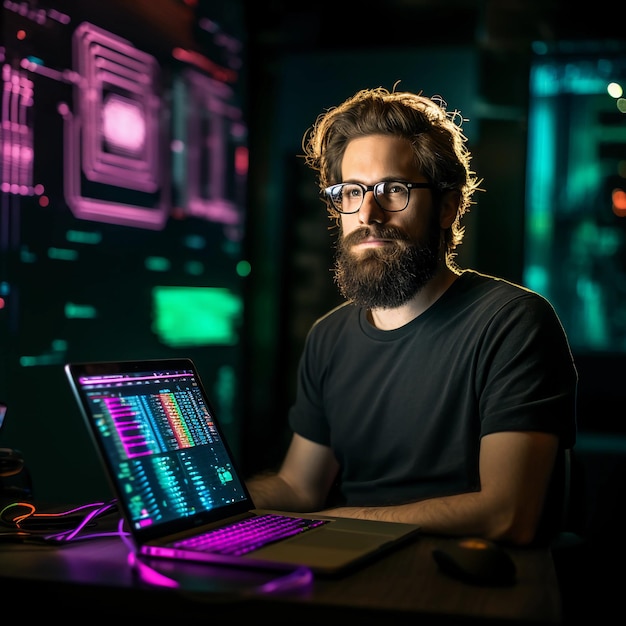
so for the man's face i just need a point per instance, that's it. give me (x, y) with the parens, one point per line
(384, 258)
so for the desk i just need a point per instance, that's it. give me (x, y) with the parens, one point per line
(93, 578)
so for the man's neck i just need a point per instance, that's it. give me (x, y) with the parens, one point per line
(390, 319)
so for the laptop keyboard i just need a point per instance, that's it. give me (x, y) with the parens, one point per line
(249, 534)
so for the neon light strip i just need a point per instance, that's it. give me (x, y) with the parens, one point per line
(94, 380)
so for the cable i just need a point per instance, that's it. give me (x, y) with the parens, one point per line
(25, 523)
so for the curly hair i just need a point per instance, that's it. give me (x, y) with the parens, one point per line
(435, 134)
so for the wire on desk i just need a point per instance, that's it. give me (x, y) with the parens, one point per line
(26, 524)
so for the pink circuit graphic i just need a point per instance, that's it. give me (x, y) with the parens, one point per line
(123, 136)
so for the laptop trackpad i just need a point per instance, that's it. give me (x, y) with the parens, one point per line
(325, 550)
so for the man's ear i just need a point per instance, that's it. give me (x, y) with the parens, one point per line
(450, 201)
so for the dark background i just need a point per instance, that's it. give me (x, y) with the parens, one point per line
(299, 59)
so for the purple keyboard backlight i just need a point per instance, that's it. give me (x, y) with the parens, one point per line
(249, 534)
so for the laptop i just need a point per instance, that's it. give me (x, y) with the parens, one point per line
(175, 478)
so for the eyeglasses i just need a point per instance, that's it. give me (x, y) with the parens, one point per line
(390, 195)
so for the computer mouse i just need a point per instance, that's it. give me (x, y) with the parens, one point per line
(476, 561)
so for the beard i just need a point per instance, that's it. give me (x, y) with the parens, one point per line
(389, 276)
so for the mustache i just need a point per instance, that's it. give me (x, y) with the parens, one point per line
(374, 231)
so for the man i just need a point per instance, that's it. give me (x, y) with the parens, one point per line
(434, 395)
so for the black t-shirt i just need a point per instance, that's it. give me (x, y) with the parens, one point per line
(404, 410)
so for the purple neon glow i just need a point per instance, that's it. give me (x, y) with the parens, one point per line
(99, 380)
(148, 574)
(16, 138)
(117, 81)
(212, 125)
(117, 136)
(112, 68)
(131, 432)
(123, 125)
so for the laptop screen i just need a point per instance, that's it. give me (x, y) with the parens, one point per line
(156, 432)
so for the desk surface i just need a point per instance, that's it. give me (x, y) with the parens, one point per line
(402, 586)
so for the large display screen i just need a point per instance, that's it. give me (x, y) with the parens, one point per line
(123, 169)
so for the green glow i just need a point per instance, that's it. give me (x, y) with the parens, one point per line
(81, 236)
(27, 256)
(243, 268)
(539, 195)
(42, 359)
(194, 268)
(54, 356)
(574, 245)
(196, 316)
(80, 311)
(62, 254)
(59, 345)
(593, 327)
(536, 278)
(157, 264)
(225, 390)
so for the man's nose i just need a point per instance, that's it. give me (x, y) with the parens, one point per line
(370, 211)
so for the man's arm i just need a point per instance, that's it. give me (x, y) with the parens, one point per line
(303, 481)
(515, 472)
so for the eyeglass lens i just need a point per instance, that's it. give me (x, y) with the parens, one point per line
(348, 197)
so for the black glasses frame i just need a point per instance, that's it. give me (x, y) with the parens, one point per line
(329, 194)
